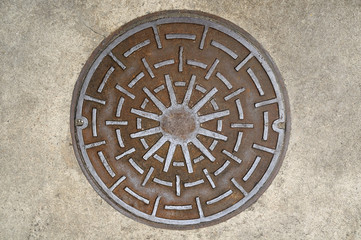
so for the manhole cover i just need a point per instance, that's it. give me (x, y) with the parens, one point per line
(180, 119)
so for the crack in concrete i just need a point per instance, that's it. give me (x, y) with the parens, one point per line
(91, 29)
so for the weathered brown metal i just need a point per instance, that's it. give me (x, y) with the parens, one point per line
(180, 119)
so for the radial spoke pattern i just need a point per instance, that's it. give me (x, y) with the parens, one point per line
(174, 142)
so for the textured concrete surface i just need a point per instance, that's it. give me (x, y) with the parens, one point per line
(317, 47)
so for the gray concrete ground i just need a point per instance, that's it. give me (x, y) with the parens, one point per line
(317, 47)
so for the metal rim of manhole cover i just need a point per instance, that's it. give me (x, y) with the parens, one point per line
(180, 119)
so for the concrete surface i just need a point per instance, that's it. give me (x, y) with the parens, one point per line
(317, 47)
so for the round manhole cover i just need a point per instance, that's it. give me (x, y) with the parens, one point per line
(180, 119)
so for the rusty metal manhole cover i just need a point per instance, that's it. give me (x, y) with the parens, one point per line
(180, 119)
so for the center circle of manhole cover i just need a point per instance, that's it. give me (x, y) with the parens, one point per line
(180, 119)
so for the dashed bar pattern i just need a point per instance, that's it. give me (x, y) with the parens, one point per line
(181, 120)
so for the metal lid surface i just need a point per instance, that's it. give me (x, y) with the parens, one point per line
(180, 119)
